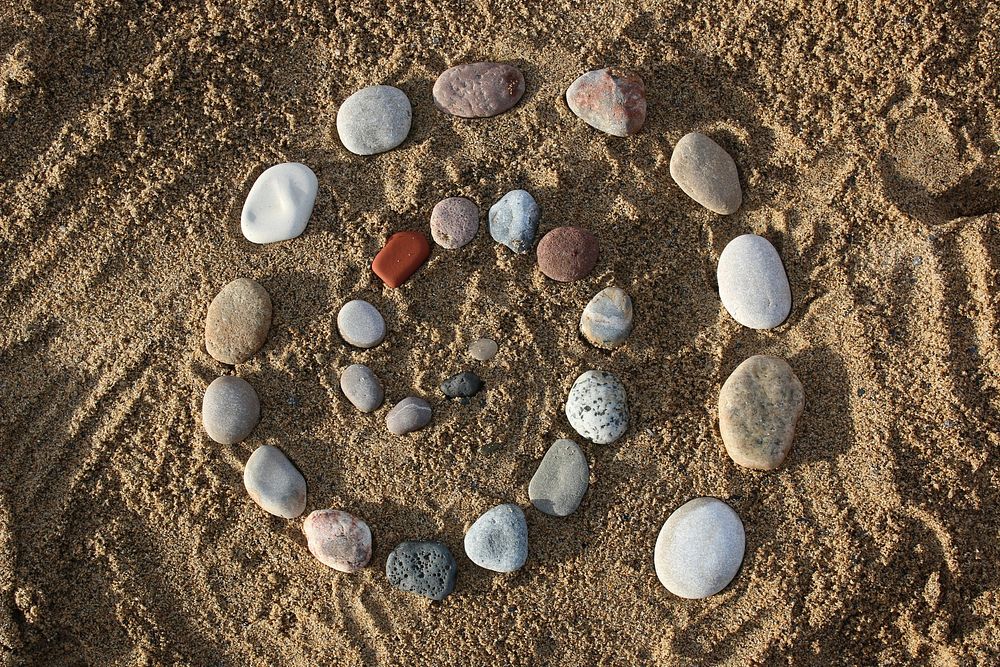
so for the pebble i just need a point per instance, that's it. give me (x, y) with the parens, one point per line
(478, 90)
(401, 256)
(274, 483)
(498, 540)
(706, 173)
(374, 120)
(454, 222)
(567, 254)
(758, 407)
(360, 324)
(607, 320)
(752, 283)
(230, 409)
(597, 407)
(463, 384)
(514, 220)
(424, 568)
(238, 320)
(338, 539)
(699, 549)
(362, 387)
(610, 100)
(561, 480)
(410, 414)
(279, 203)
(483, 349)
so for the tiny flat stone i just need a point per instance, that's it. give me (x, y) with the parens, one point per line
(338, 539)
(424, 568)
(607, 319)
(410, 414)
(498, 540)
(279, 203)
(362, 387)
(374, 120)
(401, 256)
(514, 220)
(238, 320)
(753, 285)
(274, 483)
(478, 90)
(610, 100)
(360, 324)
(706, 173)
(454, 222)
(464, 384)
(483, 349)
(230, 409)
(597, 407)
(567, 254)
(561, 480)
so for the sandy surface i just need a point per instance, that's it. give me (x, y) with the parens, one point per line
(867, 143)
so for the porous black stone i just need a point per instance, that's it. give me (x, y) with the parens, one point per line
(464, 384)
(424, 568)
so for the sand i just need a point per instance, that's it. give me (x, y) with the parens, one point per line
(867, 143)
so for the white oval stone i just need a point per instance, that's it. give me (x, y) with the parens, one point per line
(230, 409)
(274, 483)
(374, 120)
(700, 548)
(279, 204)
(752, 283)
(360, 324)
(498, 540)
(607, 320)
(597, 407)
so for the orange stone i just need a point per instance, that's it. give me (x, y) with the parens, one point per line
(402, 254)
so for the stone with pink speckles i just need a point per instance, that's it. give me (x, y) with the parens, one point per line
(338, 539)
(610, 100)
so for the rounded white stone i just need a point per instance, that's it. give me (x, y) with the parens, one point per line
(752, 283)
(279, 204)
(498, 540)
(360, 324)
(374, 120)
(274, 483)
(607, 320)
(597, 407)
(230, 409)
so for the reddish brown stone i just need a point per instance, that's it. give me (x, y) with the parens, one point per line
(568, 253)
(403, 254)
(610, 100)
(478, 90)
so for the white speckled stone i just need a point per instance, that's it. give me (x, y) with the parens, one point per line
(706, 173)
(279, 203)
(597, 407)
(360, 324)
(752, 283)
(374, 120)
(274, 483)
(514, 220)
(498, 540)
(230, 409)
(362, 387)
(607, 320)
(561, 480)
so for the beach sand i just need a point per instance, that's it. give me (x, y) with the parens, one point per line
(867, 144)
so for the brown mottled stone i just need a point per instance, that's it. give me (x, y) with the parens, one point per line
(478, 90)
(238, 320)
(338, 539)
(610, 100)
(454, 222)
(568, 253)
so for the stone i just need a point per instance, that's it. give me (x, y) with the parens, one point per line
(362, 387)
(561, 480)
(478, 90)
(514, 220)
(410, 414)
(568, 254)
(699, 549)
(338, 539)
(759, 405)
(374, 120)
(607, 319)
(483, 349)
(454, 222)
(274, 483)
(360, 324)
(597, 407)
(279, 203)
(424, 568)
(498, 540)
(706, 173)
(463, 384)
(401, 256)
(230, 409)
(610, 100)
(238, 320)
(753, 285)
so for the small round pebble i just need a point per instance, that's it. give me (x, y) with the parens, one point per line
(279, 204)
(374, 120)
(238, 320)
(753, 285)
(498, 540)
(410, 414)
(561, 480)
(706, 173)
(483, 349)
(607, 319)
(360, 324)
(230, 409)
(338, 539)
(610, 100)
(699, 549)
(514, 220)
(597, 407)
(274, 483)
(567, 254)
(362, 387)
(464, 384)
(424, 568)
(478, 90)
(454, 222)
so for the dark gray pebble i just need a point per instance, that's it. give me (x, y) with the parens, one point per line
(464, 384)
(424, 568)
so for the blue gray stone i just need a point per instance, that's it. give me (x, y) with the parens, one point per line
(374, 120)
(498, 540)
(514, 220)
(362, 387)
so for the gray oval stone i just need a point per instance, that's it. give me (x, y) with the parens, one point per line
(706, 173)
(360, 324)
(230, 409)
(374, 120)
(759, 405)
(424, 568)
(483, 349)
(498, 540)
(238, 320)
(561, 480)
(462, 385)
(607, 320)
(514, 220)
(274, 483)
(410, 414)
(454, 222)
(752, 283)
(362, 387)
(597, 407)
(699, 549)
(478, 90)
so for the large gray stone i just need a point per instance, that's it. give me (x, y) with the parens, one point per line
(230, 409)
(597, 407)
(360, 324)
(424, 568)
(362, 387)
(274, 483)
(410, 414)
(561, 480)
(752, 283)
(498, 540)
(374, 120)
(238, 320)
(706, 173)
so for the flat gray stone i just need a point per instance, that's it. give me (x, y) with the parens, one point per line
(374, 120)
(454, 222)
(362, 387)
(514, 220)
(597, 407)
(483, 349)
(561, 480)
(498, 540)
(274, 483)
(410, 414)
(706, 173)
(230, 409)
(360, 324)
(238, 320)
(753, 285)
(699, 549)
(607, 320)
(424, 568)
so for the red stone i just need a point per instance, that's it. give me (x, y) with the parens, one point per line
(402, 254)
(568, 253)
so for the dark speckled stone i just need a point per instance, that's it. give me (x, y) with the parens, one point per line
(463, 384)
(424, 568)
